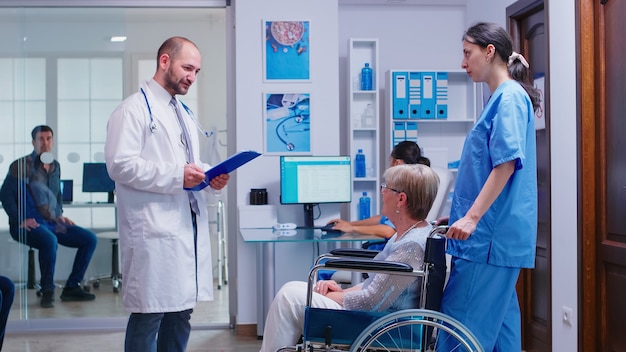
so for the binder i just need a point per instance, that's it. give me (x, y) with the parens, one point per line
(428, 101)
(398, 133)
(442, 95)
(400, 99)
(415, 94)
(225, 167)
(411, 131)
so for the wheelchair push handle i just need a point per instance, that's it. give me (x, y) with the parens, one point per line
(439, 230)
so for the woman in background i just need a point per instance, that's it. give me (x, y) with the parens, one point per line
(405, 152)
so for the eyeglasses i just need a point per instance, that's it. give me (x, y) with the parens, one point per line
(383, 186)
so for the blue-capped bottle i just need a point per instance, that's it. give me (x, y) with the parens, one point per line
(366, 77)
(359, 164)
(364, 206)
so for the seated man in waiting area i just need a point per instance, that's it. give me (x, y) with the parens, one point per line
(31, 197)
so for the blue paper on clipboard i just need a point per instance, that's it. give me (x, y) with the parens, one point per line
(225, 167)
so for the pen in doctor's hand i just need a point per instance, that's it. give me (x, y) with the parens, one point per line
(193, 175)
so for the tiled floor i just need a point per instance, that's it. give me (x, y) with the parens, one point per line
(108, 304)
(200, 340)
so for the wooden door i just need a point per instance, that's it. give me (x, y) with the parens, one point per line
(603, 173)
(527, 25)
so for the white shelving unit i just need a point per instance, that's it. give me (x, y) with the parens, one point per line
(363, 135)
(441, 136)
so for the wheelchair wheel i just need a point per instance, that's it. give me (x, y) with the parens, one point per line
(415, 330)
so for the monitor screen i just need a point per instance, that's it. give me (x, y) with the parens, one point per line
(315, 179)
(311, 180)
(96, 179)
(67, 191)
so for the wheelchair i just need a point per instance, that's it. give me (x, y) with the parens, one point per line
(329, 330)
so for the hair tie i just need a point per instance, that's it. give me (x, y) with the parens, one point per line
(517, 56)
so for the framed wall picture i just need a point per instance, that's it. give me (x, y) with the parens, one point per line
(286, 51)
(287, 123)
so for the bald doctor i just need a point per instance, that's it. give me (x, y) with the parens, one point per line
(151, 153)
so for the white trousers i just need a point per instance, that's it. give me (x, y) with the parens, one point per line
(285, 319)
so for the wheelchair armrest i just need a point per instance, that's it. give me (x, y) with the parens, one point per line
(354, 252)
(371, 243)
(368, 265)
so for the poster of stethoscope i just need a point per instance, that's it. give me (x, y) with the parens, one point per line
(287, 123)
(286, 50)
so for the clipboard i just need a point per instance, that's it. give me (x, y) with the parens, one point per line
(226, 166)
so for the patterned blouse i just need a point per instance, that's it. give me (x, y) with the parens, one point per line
(385, 292)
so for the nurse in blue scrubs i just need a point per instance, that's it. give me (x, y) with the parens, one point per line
(494, 210)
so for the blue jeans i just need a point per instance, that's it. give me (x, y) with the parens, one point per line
(47, 239)
(163, 332)
(7, 291)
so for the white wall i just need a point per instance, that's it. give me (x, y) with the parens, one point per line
(325, 120)
(564, 168)
(418, 37)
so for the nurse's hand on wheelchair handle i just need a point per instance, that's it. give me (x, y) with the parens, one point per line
(462, 229)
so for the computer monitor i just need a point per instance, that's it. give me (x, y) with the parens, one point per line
(312, 180)
(67, 191)
(96, 179)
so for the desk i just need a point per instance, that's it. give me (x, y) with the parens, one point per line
(109, 234)
(89, 205)
(116, 276)
(266, 238)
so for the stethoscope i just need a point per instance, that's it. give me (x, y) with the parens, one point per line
(302, 124)
(153, 125)
(300, 120)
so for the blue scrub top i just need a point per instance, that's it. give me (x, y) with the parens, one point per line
(506, 235)
(385, 221)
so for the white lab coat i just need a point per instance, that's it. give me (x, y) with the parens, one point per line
(153, 213)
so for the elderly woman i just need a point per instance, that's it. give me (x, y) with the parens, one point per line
(408, 193)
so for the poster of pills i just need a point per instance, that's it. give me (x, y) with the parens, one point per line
(286, 51)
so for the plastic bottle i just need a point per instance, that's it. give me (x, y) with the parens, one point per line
(366, 77)
(364, 206)
(368, 117)
(359, 165)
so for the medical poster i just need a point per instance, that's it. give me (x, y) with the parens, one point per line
(287, 123)
(286, 50)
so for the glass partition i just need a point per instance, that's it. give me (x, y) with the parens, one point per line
(59, 67)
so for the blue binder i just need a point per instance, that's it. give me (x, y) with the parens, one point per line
(225, 167)
(442, 95)
(428, 101)
(411, 131)
(415, 94)
(400, 95)
(398, 133)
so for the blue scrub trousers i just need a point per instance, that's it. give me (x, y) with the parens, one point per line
(46, 238)
(483, 298)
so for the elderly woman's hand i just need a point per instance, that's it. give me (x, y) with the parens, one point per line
(324, 286)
